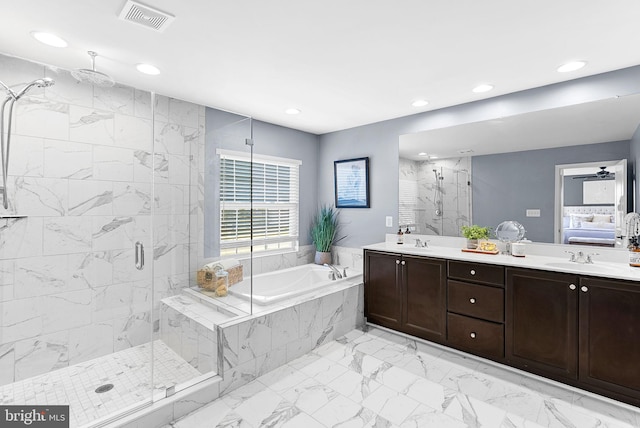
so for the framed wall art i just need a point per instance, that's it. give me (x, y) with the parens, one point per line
(351, 180)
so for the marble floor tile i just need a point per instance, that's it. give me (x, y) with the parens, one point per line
(378, 379)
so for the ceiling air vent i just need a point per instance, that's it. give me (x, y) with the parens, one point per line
(145, 16)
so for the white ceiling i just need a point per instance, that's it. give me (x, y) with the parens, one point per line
(343, 63)
(612, 119)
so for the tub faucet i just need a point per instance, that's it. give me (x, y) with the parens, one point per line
(336, 272)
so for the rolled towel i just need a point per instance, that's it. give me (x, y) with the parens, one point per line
(223, 264)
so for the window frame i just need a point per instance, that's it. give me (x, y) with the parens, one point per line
(260, 245)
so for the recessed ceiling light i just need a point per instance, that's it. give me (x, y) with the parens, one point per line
(422, 154)
(293, 111)
(148, 69)
(433, 157)
(482, 88)
(420, 103)
(571, 66)
(49, 39)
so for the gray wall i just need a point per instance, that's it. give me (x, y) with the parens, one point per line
(379, 141)
(506, 184)
(229, 131)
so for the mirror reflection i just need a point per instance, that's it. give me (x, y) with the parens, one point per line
(521, 168)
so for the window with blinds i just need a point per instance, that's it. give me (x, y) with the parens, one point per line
(273, 186)
(408, 202)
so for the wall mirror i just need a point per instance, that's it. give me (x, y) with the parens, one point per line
(507, 168)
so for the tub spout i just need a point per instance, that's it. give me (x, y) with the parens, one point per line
(333, 268)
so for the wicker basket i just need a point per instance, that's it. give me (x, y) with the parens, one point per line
(206, 278)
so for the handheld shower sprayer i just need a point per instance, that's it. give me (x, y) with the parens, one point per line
(5, 138)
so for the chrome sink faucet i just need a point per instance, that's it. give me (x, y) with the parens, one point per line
(581, 257)
(420, 244)
(335, 272)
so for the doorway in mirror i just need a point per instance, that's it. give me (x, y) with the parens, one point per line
(591, 202)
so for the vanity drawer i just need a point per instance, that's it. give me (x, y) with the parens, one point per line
(475, 300)
(476, 336)
(477, 272)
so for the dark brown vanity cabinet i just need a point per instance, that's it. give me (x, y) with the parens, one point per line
(383, 297)
(542, 322)
(406, 293)
(580, 330)
(609, 335)
(583, 330)
(475, 308)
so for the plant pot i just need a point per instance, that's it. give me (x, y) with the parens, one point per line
(323, 257)
(472, 244)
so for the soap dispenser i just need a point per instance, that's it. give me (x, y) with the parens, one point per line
(400, 236)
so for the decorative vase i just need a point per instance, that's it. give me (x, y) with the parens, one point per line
(472, 244)
(323, 257)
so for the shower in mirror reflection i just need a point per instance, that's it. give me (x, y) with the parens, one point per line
(435, 195)
(6, 119)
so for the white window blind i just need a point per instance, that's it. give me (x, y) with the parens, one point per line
(275, 185)
(408, 202)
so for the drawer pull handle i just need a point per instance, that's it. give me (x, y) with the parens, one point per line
(473, 272)
(397, 262)
(473, 335)
(572, 287)
(403, 263)
(584, 289)
(472, 300)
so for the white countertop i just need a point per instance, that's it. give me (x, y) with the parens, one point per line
(604, 269)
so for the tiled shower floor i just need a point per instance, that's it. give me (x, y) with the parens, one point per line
(129, 371)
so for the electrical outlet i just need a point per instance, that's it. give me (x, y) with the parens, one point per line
(388, 221)
(533, 213)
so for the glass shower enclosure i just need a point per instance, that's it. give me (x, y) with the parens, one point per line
(97, 242)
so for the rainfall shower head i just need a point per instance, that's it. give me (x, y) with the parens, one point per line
(91, 75)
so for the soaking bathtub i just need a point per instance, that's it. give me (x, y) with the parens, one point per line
(274, 287)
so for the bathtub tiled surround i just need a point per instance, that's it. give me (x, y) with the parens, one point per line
(81, 171)
(419, 191)
(381, 379)
(250, 347)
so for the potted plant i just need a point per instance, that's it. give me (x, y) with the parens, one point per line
(473, 233)
(323, 233)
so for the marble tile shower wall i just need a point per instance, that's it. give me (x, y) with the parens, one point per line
(452, 197)
(81, 171)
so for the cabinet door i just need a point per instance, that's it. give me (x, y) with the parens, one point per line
(425, 301)
(382, 292)
(541, 322)
(610, 335)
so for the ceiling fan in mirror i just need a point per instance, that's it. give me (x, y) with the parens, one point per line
(602, 174)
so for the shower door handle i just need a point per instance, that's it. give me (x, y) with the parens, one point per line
(139, 255)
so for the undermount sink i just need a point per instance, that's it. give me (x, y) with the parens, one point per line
(581, 267)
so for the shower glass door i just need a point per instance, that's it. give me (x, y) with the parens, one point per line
(76, 314)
